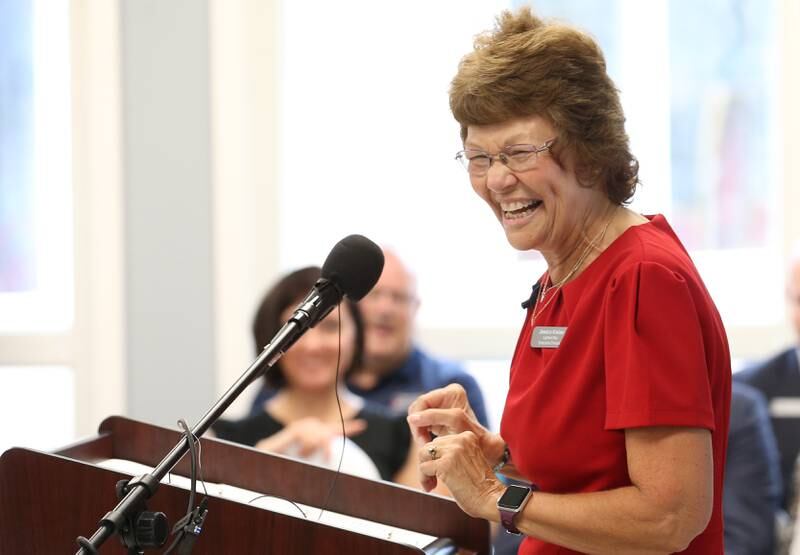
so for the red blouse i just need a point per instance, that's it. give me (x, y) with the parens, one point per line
(644, 346)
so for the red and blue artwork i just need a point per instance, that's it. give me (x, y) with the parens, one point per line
(17, 224)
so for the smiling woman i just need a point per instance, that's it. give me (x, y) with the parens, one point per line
(301, 414)
(619, 393)
(552, 210)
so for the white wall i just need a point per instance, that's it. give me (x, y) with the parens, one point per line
(169, 258)
(245, 37)
(176, 113)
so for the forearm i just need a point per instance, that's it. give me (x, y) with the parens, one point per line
(618, 521)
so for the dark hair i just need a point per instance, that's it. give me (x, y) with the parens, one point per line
(286, 293)
(530, 67)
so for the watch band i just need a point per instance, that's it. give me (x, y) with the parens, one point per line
(507, 514)
(507, 519)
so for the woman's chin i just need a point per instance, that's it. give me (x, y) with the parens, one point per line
(521, 233)
(521, 240)
(325, 386)
(316, 384)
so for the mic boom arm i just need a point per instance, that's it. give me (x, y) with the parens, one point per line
(352, 268)
(311, 311)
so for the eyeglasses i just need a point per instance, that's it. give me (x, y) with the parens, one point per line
(400, 298)
(517, 158)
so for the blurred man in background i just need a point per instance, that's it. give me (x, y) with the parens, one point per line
(752, 489)
(779, 380)
(396, 370)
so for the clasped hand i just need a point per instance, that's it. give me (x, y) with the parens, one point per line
(310, 435)
(456, 450)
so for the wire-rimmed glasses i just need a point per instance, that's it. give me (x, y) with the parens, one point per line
(517, 158)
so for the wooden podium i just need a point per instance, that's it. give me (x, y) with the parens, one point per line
(48, 499)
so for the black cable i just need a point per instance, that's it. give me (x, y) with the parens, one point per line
(341, 417)
(296, 506)
(200, 464)
(192, 514)
(344, 438)
(192, 466)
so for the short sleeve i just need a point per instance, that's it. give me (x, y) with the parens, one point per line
(655, 361)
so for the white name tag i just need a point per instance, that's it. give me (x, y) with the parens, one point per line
(547, 337)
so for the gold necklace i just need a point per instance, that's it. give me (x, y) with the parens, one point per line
(555, 287)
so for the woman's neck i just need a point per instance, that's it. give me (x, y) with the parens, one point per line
(586, 243)
(589, 242)
(292, 403)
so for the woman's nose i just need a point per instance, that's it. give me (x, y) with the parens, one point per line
(313, 340)
(499, 177)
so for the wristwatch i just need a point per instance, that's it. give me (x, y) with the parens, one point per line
(512, 502)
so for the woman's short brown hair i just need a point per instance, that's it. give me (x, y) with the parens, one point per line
(529, 67)
(286, 293)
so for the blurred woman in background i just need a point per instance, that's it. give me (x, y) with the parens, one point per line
(302, 419)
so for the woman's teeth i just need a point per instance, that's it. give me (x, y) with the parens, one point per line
(513, 210)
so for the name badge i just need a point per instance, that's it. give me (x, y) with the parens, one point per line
(546, 337)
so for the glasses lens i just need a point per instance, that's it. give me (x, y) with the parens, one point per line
(478, 162)
(521, 157)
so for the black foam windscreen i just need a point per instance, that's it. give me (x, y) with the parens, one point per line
(354, 264)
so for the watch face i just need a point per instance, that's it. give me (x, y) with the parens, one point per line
(513, 497)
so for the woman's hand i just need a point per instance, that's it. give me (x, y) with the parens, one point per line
(446, 411)
(457, 461)
(309, 435)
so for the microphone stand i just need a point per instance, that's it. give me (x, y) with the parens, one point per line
(318, 303)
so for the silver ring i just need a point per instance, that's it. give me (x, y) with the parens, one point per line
(432, 452)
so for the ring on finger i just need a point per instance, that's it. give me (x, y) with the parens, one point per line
(432, 452)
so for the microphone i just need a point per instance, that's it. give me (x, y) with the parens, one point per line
(351, 269)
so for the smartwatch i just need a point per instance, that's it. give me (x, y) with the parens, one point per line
(512, 502)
